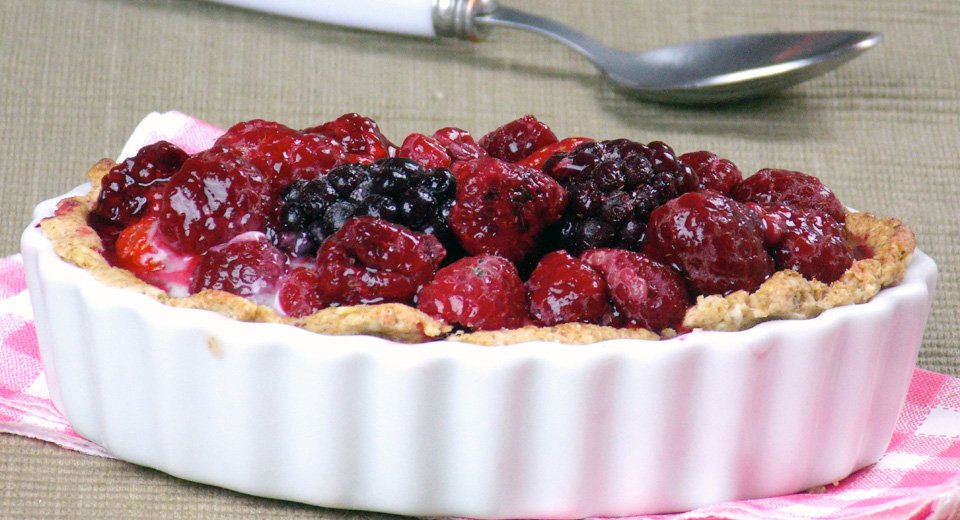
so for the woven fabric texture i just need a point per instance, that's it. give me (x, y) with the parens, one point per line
(77, 75)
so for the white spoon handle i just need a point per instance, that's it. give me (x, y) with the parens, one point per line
(413, 17)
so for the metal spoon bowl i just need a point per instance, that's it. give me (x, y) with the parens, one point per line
(707, 71)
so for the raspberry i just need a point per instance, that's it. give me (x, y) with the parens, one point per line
(807, 241)
(130, 187)
(477, 293)
(612, 188)
(370, 260)
(395, 189)
(790, 188)
(248, 265)
(645, 293)
(517, 139)
(141, 250)
(426, 150)
(563, 289)
(299, 294)
(360, 137)
(715, 173)
(281, 153)
(501, 207)
(214, 197)
(714, 241)
(459, 144)
(251, 135)
(538, 158)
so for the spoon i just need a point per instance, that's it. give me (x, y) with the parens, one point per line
(718, 70)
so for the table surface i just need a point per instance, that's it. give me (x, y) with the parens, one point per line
(77, 75)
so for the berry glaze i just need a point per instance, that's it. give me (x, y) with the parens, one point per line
(518, 228)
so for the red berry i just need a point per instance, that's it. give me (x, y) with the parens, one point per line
(143, 251)
(501, 208)
(248, 265)
(478, 293)
(518, 139)
(715, 172)
(715, 242)
(426, 150)
(563, 289)
(131, 187)
(300, 292)
(459, 144)
(539, 157)
(296, 157)
(359, 135)
(790, 188)
(251, 135)
(214, 197)
(645, 293)
(370, 260)
(809, 242)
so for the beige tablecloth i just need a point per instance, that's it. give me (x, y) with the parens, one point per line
(77, 75)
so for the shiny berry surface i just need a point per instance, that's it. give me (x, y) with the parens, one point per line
(645, 293)
(501, 208)
(131, 186)
(476, 293)
(789, 188)
(714, 241)
(370, 260)
(248, 265)
(459, 144)
(564, 289)
(714, 172)
(300, 292)
(518, 139)
(215, 196)
(426, 150)
(360, 137)
(809, 242)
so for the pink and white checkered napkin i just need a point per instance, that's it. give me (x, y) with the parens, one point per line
(917, 478)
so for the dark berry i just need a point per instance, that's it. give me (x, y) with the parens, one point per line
(789, 188)
(613, 186)
(130, 187)
(394, 189)
(807, 241)
(501, 208)
(360, 137)
(563, 289)
(715, 242)
(715, 172)
(426, 150)
(477, 293)
(248, 265)
(370, 260)
(518, 139)
(645, 293)
(215, 196)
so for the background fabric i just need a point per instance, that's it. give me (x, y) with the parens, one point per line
(77, 75)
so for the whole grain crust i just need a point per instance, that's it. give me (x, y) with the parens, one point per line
(785, 295)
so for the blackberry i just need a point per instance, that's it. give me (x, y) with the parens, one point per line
(394, 189)
(613, 186)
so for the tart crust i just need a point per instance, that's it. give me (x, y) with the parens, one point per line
(785, 295)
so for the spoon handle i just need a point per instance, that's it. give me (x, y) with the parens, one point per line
(430, 18)
(411, 17)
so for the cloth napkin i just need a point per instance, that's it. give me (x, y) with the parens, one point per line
(917, 478)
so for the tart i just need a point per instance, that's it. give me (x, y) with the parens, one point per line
(336, 230)
(618, 401)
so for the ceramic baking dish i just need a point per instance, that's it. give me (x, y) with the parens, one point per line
(530, 430)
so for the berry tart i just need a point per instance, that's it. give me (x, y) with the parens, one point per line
(633, 295)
